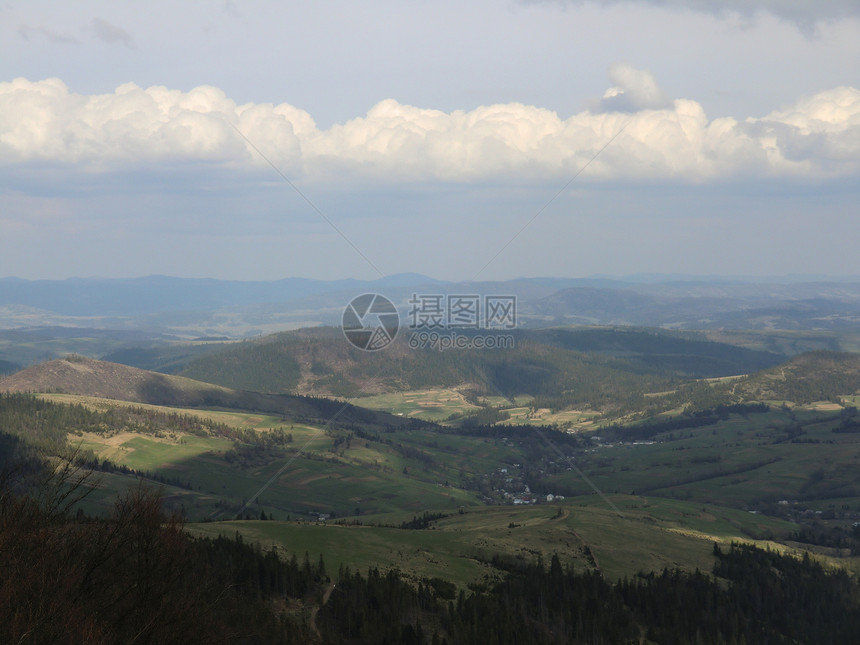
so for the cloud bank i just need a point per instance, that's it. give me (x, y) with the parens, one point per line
(804, 13)
(816, 137)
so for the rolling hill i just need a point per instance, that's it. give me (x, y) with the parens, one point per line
(721, 304)
(592, 364)
(104, 380)
(815, 376)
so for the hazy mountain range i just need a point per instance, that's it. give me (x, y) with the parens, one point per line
(188, 308)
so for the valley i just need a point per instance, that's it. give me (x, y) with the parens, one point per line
(616, 452)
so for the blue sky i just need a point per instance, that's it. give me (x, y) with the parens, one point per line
(260, 140)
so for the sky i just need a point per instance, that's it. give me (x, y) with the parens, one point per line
(487, 139)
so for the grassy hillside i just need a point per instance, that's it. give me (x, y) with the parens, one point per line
(79, 375)
(798, 466)
(101, 379)
(584, 533)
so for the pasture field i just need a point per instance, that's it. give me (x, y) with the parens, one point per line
(435, 404)
(149, 453)
(308, 482)
(444, 404)
(573, 419)
(648, 534)
(782, 455)
(218, 477)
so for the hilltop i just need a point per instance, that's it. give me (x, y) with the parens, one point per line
(815, 376)
(105, 380)
(101, 379)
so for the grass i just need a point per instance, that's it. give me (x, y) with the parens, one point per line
(441, 404)
(740, 462)
(649, 534)
(436, 404)
(368, 477)
(416, 553)
(573, 419)
(232, 418)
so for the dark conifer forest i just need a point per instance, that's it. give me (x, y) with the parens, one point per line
(136, 576)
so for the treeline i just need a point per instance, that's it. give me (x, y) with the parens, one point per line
(419, 522)
(760, 597)
(46, 423)
(89, 461)
(849, 422)
(829, 535)
(524, 434)
(136, 576)
(482, 417)
(697, 419)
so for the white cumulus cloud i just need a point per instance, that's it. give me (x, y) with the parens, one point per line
(133, 127)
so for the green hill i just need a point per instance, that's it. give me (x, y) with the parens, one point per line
(104, 380)
(815, 376)
(593, 366)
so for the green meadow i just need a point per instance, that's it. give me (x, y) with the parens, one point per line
(435, 404)
(639, 534)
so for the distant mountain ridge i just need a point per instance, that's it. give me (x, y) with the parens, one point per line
(190, 308)
(741, 306)
(159, 294)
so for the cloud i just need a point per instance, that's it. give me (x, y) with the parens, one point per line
(804, 13)
(106, 32)
(134, 128)
(26, 32)
(634, 90)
